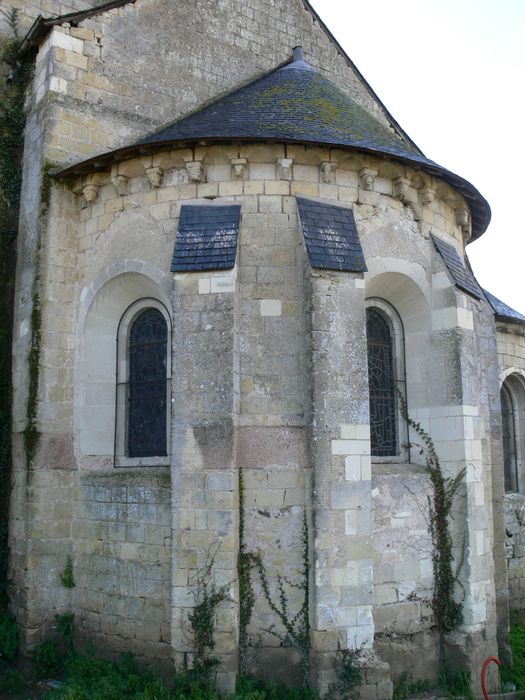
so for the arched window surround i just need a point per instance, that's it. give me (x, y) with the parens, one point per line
(513, 390)
(397, 335)
(130, 315)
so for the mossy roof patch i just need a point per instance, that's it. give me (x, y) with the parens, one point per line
(296, 104)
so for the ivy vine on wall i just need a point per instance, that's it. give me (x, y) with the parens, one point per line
(447, 611)
(14, 76)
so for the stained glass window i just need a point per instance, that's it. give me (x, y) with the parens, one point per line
(383, 418)
(146, 414)
(508, 419)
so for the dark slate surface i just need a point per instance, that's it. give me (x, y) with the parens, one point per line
(292, 103)
(331, 237)
(502, 310)
(206, 238)
(461, 274)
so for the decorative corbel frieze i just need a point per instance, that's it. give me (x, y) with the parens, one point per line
(366, 178)
(195, 170)
(327, 172)
(155, 175)
(400, 186)
(283, 168)
(239, 168)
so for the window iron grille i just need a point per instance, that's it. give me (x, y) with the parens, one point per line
(510, 462)
(381, 383)
(146, 386)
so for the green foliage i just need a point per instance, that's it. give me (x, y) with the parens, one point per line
(65, 625)
(456, 684)
(31, 434)
(10, 680)
(208, 596)
(196, 683)
(249, 688)
(66, 577)
(515, 674)
(12, 122)
(405, 687)
(48, 661)
(448, 613)
(9, 640)
(90, 678)
(348, 673)
(246, 592)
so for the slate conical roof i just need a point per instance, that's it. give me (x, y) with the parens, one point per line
(293, 103)
(297, 104)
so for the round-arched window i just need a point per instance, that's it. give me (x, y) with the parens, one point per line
(146, 390)
(381, 383)
(508, 419)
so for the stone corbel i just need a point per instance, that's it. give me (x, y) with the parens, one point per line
(90, 192)
(120, 183)
(463, 220)
(427, 195)
(400, 186)
(416, 210)
(239, 168)
(417, 181)
(366, 178)
(462, 216)
(283, 168)
(78, 186)
(155, 175)
(195, 170)
(327, 172)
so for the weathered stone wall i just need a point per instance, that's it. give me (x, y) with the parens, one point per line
(403, 578)
(269, 375)
(511, 357)
(515, 550)
(87, 97)
(122, 550)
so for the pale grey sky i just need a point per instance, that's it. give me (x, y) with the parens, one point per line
(451, 72)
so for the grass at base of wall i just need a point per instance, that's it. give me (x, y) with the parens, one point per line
(86, 677)
(514, 677)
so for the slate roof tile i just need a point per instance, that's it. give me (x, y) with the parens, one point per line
(331, 237)
(206, 238)
(502, 311)
(461, 274)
